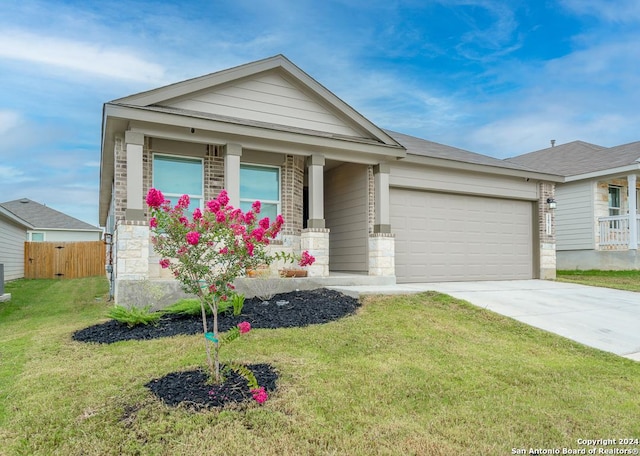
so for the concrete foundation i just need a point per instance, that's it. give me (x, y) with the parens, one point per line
(606, 260)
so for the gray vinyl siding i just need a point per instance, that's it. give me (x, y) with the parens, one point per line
(270, 98)
(574, 216)
(12, 238)
(346, 214)
(453, 181)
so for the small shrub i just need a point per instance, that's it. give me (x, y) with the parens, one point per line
(187, 306)
(134, 316)
(238, 303)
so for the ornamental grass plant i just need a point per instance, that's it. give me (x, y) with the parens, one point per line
(424, 374)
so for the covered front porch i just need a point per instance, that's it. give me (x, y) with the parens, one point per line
(620, 228)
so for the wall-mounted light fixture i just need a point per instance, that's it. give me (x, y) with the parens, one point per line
(552, 203)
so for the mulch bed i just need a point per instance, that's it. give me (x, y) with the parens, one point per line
(190, 388)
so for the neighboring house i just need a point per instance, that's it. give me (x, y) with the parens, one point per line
(372, 206)
(13, 232)
(25, 220)
(597, 221)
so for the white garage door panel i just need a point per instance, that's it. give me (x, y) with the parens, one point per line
(447, 237)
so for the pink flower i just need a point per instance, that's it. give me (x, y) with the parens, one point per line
(220, 217)
(153, 222)
(197, 214)
(307, 259)
(258, 234)
(249, 218)
(184, 221)
(264, 223)
(244, 327)
(164, 263)
(224, 251)
(213, 206)
(256, 206)
(259, 394)
(193, 237)
(249, 248)
(155, 198)
(223, 198)
(183, 202)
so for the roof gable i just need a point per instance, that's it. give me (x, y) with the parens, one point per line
(271, 91)
(40, 216)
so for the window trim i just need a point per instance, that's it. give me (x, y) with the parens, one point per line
(278, 203)
(183, 157)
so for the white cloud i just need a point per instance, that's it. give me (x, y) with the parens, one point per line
(13, 175)
(86, 57)
(618, 11)
(8, 121)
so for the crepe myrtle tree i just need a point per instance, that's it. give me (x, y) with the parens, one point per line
(206, 251)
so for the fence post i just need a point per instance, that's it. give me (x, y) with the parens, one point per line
(1, 279)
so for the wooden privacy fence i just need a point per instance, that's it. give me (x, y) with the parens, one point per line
(63, 260)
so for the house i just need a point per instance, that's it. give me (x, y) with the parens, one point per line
(13, 232)
(25, 220)
(597, 221)
(373, 206)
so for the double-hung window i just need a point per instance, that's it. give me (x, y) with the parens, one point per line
(614, 200)
(261, 183)
(176, 176)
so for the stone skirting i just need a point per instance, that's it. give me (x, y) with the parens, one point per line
(547, 261)
(316, 241)
(382, 255)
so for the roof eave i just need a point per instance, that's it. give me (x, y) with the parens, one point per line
(604, 172)
(489, 169)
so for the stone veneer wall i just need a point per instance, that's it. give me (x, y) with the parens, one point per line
(382, 255)
(546, 231)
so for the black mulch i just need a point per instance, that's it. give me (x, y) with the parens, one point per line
(285, 310)
(190, 388)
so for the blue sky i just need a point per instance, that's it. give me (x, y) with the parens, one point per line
(495, 77)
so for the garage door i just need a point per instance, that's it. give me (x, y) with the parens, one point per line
(448, 237)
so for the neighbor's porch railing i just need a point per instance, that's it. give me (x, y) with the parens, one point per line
(614, 230)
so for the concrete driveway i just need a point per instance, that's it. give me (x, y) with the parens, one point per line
(598, 317)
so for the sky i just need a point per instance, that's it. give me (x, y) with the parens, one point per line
(500, 78)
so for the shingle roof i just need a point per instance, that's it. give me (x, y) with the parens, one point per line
(425, 148)
(579, 157)
(43, 217)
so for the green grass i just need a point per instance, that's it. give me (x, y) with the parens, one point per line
(424, 374)
(622, 280)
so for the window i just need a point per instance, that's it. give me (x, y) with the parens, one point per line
(35, 237)
(614, 200)
(260, 183)
(177, 176)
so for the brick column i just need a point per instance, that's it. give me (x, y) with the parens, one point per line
(547, 231)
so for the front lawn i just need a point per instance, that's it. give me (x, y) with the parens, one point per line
(622, 280)
(422, 374)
